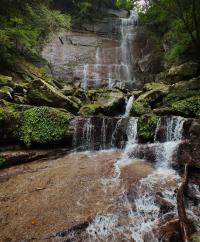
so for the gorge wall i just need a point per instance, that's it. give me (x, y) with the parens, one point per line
(110, 52)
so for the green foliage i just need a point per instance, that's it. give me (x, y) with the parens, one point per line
(43, 125)
(146, 127)
(2, 161)
(187, 107)
(126, 4)
(176, 23)
(140, 108)
(9, 122)
(24, 25)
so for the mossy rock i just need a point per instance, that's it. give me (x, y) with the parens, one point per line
(5, 80)
(140, 108)
(6, 93)
(185, 70)
(44, 125)
(111, 101)
(195, 237)
(9, 123)
(189, 107)
(90, 109)
(42, 93)
(146, 127)
(2, 161)
(183, 90)
(153, 92)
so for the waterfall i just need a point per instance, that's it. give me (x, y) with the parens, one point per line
(127, 26)
(119, 70)
(129, 106)
(143, 215)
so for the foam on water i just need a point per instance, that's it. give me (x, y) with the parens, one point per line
(142, 215)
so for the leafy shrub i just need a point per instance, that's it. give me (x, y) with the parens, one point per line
(43, 125)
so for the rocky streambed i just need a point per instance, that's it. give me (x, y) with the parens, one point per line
(40, 199)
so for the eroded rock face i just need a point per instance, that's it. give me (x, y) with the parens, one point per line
(94, 55)
(188, 153)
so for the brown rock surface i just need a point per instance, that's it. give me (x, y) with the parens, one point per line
(42, 198)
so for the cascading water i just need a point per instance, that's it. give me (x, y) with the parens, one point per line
(143, 214)
(120, 71)
(129, 106)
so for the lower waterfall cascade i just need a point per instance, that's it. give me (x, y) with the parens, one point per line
(138, 214)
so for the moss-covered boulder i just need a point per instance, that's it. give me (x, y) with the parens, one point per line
(5, 80)
(140, 108)
(184, 98)
(108, 102)
(111, 101)
(9, 124)
(43, 125)
(153, 92)
(182, 72)
(6, 93)
(189, 107)
(42, 93)
(90, 109)
(146, 127)
(195, 237)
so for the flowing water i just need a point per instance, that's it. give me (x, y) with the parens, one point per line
(120, 72)
(139, 214)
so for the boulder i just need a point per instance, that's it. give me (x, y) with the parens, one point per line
(140, 108)
(6, 93)
(5, 80)
(184, 71)
(43, 93)
(112, 102)
(9, 124)
(194, 130)
(90, 109)
(153, 92)
(195, 237)
(108, 102)
(188, 153)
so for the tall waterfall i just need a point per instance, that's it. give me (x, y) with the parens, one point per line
(119, 72)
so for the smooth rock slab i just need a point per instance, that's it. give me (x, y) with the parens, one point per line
(40, 199)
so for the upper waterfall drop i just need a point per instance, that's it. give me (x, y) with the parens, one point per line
(116, 71)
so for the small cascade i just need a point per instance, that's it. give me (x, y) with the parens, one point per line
(129, 106)
(88, 132)
(144, 214)
(103, 134)
(97, 133)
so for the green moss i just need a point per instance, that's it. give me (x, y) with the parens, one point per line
(188, 107)
(5, 80)
(140, 108)
(90, 109)
(9, 122)
(195, 237)
(146, 127)
(44, 124)
(2, 161)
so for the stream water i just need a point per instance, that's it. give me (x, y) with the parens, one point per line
(143, 207)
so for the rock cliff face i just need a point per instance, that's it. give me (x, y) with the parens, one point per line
(107, 53)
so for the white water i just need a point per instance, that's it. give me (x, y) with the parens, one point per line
(129, 106)
(121, 71)
(143, 217)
